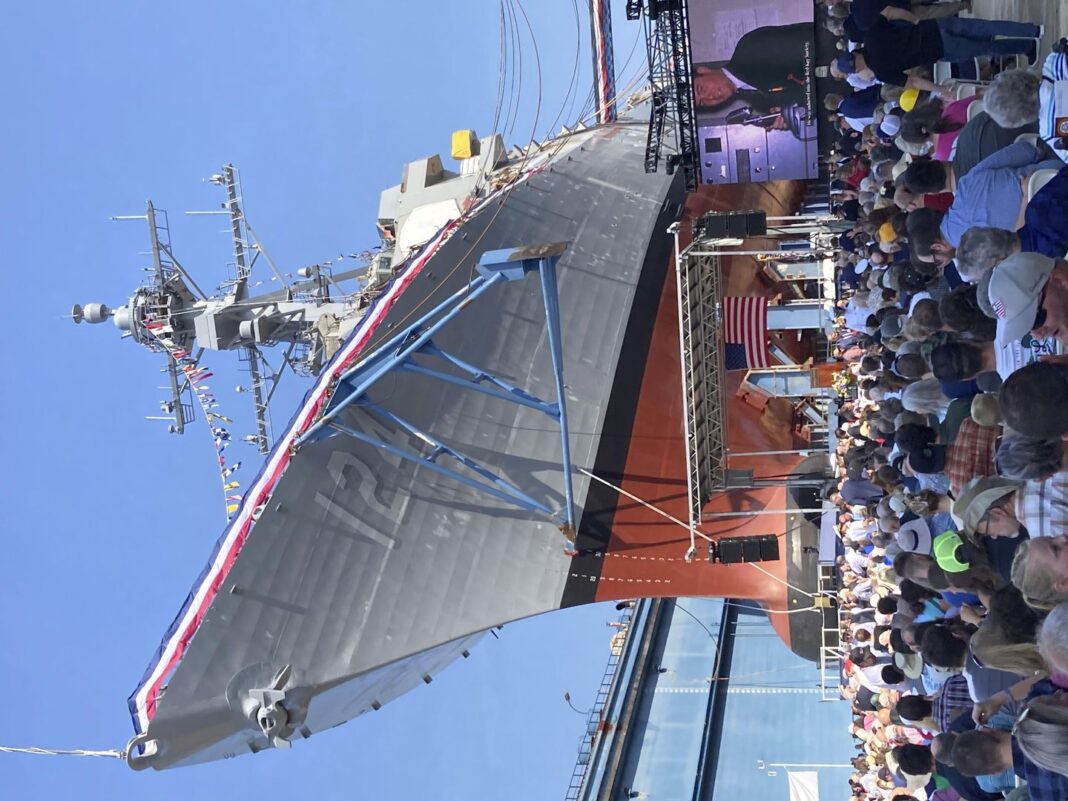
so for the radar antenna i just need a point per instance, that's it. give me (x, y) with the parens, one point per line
(170, 313)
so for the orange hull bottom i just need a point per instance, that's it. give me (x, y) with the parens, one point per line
(645, 555)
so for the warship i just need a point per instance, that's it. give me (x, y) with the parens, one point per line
(488, 405)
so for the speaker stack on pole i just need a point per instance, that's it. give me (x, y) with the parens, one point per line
(736, 550)
(731, 225)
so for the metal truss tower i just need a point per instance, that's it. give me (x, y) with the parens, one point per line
(667, 41)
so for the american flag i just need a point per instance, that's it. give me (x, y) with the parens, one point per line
(745, 333)
(999, 308)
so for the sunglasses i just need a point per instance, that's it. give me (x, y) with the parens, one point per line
(982, 521)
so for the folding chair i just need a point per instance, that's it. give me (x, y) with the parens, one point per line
(1038, 179)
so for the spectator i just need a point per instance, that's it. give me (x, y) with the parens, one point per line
(1029, 292)
(1033, 397)
(1053, 643)
(1042, 735)
(990, 194)
(1011, 100)
(1040, 571)
(982, 248)
(890, 49)
(1025, 458)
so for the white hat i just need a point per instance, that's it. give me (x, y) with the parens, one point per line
(915, 536)
(861, 266)
(909, 664)
(890, 125)
(1015, 287)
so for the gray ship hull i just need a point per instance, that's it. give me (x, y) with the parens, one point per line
(366, 574)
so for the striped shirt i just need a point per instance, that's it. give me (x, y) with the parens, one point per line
(1042, 506)
(951, 701)
(1054, 69)
(1042, 784)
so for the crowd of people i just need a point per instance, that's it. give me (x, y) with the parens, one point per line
(952, 490)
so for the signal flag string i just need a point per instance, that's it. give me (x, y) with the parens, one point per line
(196, 375)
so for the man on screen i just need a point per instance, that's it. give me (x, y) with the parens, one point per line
(766, 72)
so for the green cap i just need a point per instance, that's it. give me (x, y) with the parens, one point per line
(946, 546)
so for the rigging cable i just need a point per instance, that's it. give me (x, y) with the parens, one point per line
(515, 85)
(572, 87)
(537, 65)
(701, 534)
(79, 752)
(498, 104)
(502, 55)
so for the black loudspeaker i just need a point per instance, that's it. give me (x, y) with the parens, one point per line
(769, 548)
(731, 224)
(730, 550)
(762, 548)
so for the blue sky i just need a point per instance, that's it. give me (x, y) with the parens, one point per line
(107, 519)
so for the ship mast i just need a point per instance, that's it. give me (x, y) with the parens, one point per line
(170, 313)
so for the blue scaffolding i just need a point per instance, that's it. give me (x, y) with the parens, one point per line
(398, 355)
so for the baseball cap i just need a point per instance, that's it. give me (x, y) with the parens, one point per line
(909, 664)
(915, 536)
(947, 552)
(1015, 287)
(890, 126)
(977, 496)
(908, 99)
(931, 459)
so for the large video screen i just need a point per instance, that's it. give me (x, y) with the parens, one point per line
(754, 89)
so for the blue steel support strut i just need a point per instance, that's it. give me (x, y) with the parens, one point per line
(458, 301)
(430, 464)
(515, 494)
(397, 354)
(547, 273)
(479, 375)
(473, 384)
